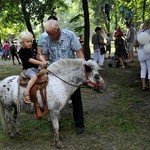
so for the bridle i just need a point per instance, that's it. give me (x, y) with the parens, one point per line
(87, 82)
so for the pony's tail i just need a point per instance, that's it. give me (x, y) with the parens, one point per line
(2, 114)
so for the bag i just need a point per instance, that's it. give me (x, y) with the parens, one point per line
(102, 50)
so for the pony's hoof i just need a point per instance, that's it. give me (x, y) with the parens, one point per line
(59, 145)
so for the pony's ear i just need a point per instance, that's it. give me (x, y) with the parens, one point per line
(87, 68)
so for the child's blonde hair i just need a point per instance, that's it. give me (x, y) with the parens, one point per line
(24, 35)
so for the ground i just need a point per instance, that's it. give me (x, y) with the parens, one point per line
(117, 119)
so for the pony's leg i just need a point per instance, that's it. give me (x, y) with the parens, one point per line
(11, 120)
(8, 117)
(3, 119)
(55, 122)
(16, 120)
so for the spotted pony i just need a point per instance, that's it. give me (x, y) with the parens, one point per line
(64, 77)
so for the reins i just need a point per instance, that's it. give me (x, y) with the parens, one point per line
(88, 82)
(62, 79)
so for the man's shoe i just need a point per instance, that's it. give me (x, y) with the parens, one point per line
(80, 130)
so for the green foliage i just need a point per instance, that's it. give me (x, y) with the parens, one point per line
(76, 18)
(12, 20)
(135, 6)
(70, 14)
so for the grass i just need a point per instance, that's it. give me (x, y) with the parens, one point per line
(7, 69)
(117, 119)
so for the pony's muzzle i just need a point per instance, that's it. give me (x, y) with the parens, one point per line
(102, 86)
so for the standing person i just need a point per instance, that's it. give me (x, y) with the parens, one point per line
(120, 49)
(118, 32)
(6, 50)
(63, 44)
(108, 44)
(130, 41)
(29, 62)
(14, 53)
(98, 46)
(144, 58)
(81, 39)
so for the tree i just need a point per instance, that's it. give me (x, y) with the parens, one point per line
(144, 8)
(26, 15)
(86, 30)
(31, 13)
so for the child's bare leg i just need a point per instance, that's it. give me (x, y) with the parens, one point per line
(31, 82)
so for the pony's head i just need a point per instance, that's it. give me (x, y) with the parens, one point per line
(91, 69)
(93, 77)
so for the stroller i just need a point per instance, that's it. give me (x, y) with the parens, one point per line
(114, 62)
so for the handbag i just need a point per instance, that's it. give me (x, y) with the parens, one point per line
(102, 50)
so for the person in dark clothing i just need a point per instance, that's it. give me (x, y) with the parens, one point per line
(120, 49)
(14, 53)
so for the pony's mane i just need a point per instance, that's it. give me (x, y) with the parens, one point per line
(65, 63)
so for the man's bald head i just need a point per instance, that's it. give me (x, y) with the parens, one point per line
(52, 29)
(51, 25)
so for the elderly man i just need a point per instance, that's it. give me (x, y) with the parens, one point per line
(63, 44)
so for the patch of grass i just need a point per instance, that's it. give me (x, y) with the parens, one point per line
(7, 69)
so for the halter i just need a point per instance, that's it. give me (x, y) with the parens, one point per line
(87, 82)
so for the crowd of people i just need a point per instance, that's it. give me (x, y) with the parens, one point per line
(9, 51)
(56, 43)
(123, 43)
(126, 45)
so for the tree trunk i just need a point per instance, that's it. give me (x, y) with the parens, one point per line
(144, 8)
(86, 47)
(26, 17)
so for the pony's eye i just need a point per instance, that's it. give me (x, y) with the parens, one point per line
(97, 77)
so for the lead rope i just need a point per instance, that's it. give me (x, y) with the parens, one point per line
(62, 79)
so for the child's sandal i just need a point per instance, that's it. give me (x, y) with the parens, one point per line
(26, 98)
